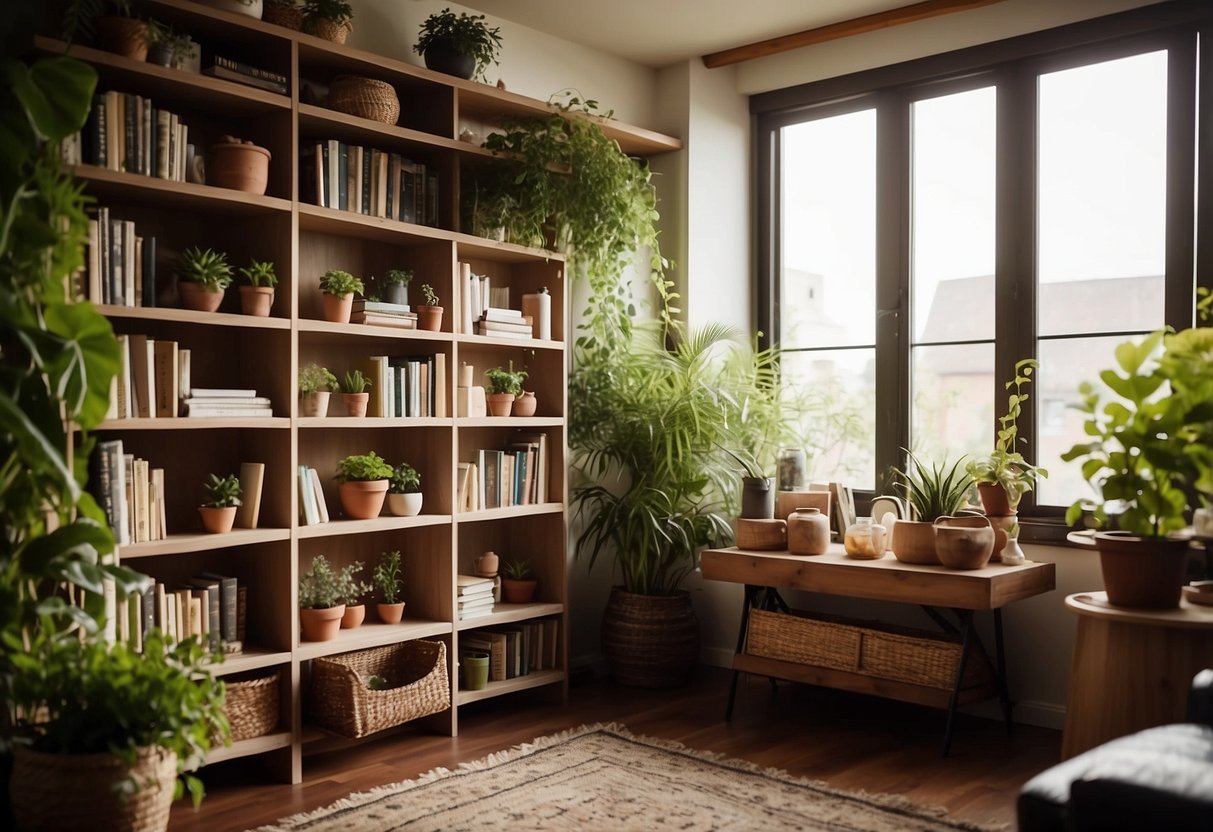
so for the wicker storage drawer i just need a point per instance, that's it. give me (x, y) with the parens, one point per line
(881, 651)
(252, 704)
(417, 684)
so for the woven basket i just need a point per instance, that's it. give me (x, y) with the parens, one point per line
(650, 641)
(365, 98)
(418, 684)
(327, 29)
(282, 14)
(878, 650)
(252, 705)
(76, 791)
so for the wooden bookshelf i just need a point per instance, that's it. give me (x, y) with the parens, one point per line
(229, 349)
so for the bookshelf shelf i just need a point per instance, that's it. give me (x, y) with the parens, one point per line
(188, 316)
(505, 513)
(509, 613)
(110, 185)
(510, 343)
(181, 543)
(186, 423)
(314, 327)
(372, 635)
(250, 660)
(536, 679)
(319, 121)
(510, 421)
(347, 422)
(248, 748)
(367, 227)
(335, 528)
(472, 247)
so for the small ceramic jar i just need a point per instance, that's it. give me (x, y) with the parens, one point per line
(865, 540)
(808, 532)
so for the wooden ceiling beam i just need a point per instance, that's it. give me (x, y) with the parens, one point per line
(843, 29)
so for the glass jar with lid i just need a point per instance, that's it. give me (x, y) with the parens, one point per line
(865, 540)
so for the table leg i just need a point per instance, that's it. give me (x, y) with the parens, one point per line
(1004, 694)
(966, 624)
(747, 602)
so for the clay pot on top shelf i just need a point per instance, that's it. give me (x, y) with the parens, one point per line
(444, 59)
(525, 404)
(257, 300)
(390, 613)
(199, 298)
(320, 624)
(124, 36)
(337, 308)
(217, 520)
(353, 616)
(239, 165)
(499, 404)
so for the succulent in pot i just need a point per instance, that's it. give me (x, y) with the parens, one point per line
(338, 288)
(316, 384)
(932, 492)
(387, 580)
(1004, 476)
(502, 387)
(462, 45)
(222, 500)
(404, 496)
(329, 19)
(257, 298)
(518, 586)
(202, 277)
(353, 393)
(363, 485)
(429, 315)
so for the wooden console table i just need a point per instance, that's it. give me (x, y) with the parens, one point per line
(1132, 668)
(948, 596)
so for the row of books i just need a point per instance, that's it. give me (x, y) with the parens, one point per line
(313, 509)
(515, 649)
(477, 294)
(209, 607)
(406, 385)
(366, 180)
(500, 478)
(130, 492)
(474, 596)
(242, 73)
(119, 265)
(127, 132)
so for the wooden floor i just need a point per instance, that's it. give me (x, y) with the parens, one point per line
(848, 740)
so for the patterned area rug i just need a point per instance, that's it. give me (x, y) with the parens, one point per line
(601, 777)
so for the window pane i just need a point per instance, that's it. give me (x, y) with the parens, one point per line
(953, 410)
(1102, 195)
(1064, 364)
(828, 234)
(835, 393)
(953, 221)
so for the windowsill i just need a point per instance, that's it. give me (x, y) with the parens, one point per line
(1046, 532)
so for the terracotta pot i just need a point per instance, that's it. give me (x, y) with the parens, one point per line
(355, 403)
(353, 616)
(321, 625)
(966, 542)
(499, 404)
(429, 318)
(486, 565)
(217, 520)
(327, 29)
(337, 308)
(256, 300)
(315, 404)
(994, 499)
(405, 505)
(914, 542)
(390, 613)
(442, 58)
(80, 791)
(758, 498)
(362, 500)
(1142, 572)
(198, 298)
(808, 532)
(122, 35)
(514, 591)
(525, 404)
(241, 166)
(650, 641)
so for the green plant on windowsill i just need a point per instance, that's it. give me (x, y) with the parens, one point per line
(260, 273)
(1005, 467)
(222, 492)
(206, 267)
(503, 381)
(386, 576)
(339, 283)
(316, 379)
(355, 382)
(404, 480)
(366, 467)
(934, 491)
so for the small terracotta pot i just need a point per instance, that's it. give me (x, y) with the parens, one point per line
(499, 404)
(315, 404)
(122, 35)
(321, 625)
(327, 29)
(256, 300)
(390, 613)
(353, 616)
(362, 500)
(355, 403)
(405, 505)
(337, 308)
(217, 520)
(994, 499)
(429, 318)
(525, 404)
(514, 591)
(198, 298)
(241, 166)
(914, 542)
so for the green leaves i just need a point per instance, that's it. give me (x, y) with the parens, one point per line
(55, 92)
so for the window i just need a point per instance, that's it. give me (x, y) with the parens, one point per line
(926, 225)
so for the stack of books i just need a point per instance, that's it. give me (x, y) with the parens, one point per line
(381, 313)
(242, 404)
(243, 73)
(504, 323)
(474, 596)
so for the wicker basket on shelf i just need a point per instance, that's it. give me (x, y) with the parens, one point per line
(365, 98)
(252, 704)
(282, 13)
(416, 684)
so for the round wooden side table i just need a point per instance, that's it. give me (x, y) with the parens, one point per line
(1132, 668)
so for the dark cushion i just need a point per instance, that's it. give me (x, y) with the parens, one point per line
(1172, 765)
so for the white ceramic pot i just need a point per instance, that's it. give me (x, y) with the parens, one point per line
(252, 8)
(405, 505)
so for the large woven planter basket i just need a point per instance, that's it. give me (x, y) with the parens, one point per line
(650, 641)
(76, 791)
(365, 98)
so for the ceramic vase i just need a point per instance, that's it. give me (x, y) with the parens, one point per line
(525, 404)
(808, 532)
(758, 498)
(966, 542)
(241, 166)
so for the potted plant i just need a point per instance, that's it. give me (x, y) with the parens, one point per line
(321, 604)
(518, 587)
(363, 485)
(202, 277)
(386, 578)
(503, 385)
(257, 298)
(1004, 476)
(1145, 453)
(352, 593)
(113, 732)
(118, 29)
(238, 164)
(404, 491)
(396, 286)
(168, 48)
(222, 500)
(757, 489)
(316, 384)
(429, 316)
(353, 393)
(461, 45)
(329, 19)
(338, 290)
(932, 492)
